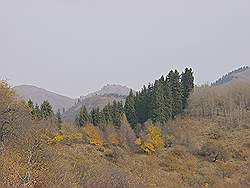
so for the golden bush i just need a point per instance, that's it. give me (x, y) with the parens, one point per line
(93, 135)
(59, 138)
(153, 140)
(112, 136)
(138, 142)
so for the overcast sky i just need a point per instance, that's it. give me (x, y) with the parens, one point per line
(76, 46)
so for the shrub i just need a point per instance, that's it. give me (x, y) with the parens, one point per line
(59, 138)
(127, 136)
(153, 140)
(112, 137)
(92, 135)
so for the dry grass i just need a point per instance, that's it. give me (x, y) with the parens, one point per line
(204, 152)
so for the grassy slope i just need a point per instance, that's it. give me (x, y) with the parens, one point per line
(178, 166)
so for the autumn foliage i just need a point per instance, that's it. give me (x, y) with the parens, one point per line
(152, 141)
(92, 134)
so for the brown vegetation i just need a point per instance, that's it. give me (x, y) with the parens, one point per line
(208, 147)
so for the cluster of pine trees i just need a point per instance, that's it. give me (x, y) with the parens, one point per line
(41, 112)
(229, 76)
(110, 114)
(44, 112)
(160, 101)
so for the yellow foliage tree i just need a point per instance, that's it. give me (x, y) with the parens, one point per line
(113, 137)
(93, 135)
(152, 141)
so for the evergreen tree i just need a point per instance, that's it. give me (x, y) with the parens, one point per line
(37, 112)
(167, 98)
(32, 109)
(116, 114)
(148, 101)
(129, 109)
(187, 85)
(107, 113)
(141, 105)
(175, 87)
(158, 103)
(83, 117)
(59, 119)
(46, 110)
(97, 117)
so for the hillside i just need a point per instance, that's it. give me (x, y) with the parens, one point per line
(207, 146)
(109, 90)
(38, 95)
(239, 75)
(201, 150)
(106, 95)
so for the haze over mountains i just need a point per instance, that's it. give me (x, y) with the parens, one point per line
(38, 95)
(105, 95)
(100, 98)
(239, 75)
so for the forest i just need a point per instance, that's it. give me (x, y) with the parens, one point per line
(169, 134)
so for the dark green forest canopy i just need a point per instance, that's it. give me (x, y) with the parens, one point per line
(161, 101)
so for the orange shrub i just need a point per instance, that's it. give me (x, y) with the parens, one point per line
(93, 135)
(112, 137)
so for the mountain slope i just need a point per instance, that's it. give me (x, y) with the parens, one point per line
(38, 95)
(239, 75)
(109, 90)
(106, 95)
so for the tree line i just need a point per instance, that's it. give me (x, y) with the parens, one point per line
(44, 112)
(110, 114)
(160, 101)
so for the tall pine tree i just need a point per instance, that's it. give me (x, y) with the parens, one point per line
(167, 98)
(175, 87)
(129, 109)
(46, 110)
(32, 108)
(83, 117)
(59, 119)
(187, 86)
(158, 103)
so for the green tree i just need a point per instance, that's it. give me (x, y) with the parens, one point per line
(116, 114)
(175, 87)
(129, 109)
(158, 103)
(32, 109)
(46, 110)
(97, 117)
(83, 117)
(187, 85)
(59, 119)
(167, 98)
(37, 112)
(107, 113)
(141, 105)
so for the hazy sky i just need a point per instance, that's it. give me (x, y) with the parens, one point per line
(76, 46)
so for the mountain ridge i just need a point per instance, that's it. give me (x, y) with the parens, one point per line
(107, 94)
(241, 74)
(38, 95)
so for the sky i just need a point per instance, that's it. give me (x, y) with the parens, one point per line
(74, 47)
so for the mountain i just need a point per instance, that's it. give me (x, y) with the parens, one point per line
(38, 95)
(100, 98)
(239, 75)
(109, 90)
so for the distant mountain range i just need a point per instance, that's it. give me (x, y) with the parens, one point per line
(100, 98)
(38, 95)
(239, 75)
(105, 95)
